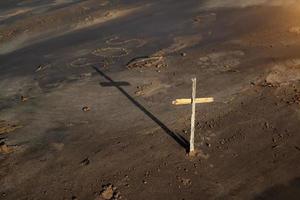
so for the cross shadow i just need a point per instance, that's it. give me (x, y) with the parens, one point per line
(178, 138)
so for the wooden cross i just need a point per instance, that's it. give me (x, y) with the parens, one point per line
(193, 101)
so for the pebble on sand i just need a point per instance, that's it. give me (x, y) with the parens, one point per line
(86, 109)
(108, 193)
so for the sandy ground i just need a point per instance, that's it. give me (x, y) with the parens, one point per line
(86, 90)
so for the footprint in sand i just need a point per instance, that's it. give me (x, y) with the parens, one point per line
(79, 62)
(118, 47)
(112, 52)
(82, 62)
(129, 44)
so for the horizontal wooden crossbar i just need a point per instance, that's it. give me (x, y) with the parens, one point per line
(189, 101)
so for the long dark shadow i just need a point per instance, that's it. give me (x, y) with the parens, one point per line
(178, 138)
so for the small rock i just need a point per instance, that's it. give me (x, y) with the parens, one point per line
(23, 98)
(42, 67)
(267, 125)
(185, 181)
(107, 193)
(147, 174)
(222, 141)
(139, 93)
(39, 68)
(117, 195)
(208, 144)
(298, 148)
(86, 109)
(183, 54)
(159, 65)
(85, 162)
(107, 14)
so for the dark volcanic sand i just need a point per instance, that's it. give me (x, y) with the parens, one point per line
(64, 55)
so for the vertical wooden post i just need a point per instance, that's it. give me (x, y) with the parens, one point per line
(192, 139)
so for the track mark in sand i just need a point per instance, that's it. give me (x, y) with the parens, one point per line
(110, 15)
(221, 61)
(113, 52)
(14, 13)
(214, 4)
(39, 28)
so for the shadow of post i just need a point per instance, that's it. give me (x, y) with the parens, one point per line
(178, 138)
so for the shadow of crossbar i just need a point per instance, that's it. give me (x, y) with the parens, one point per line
(177, 137)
